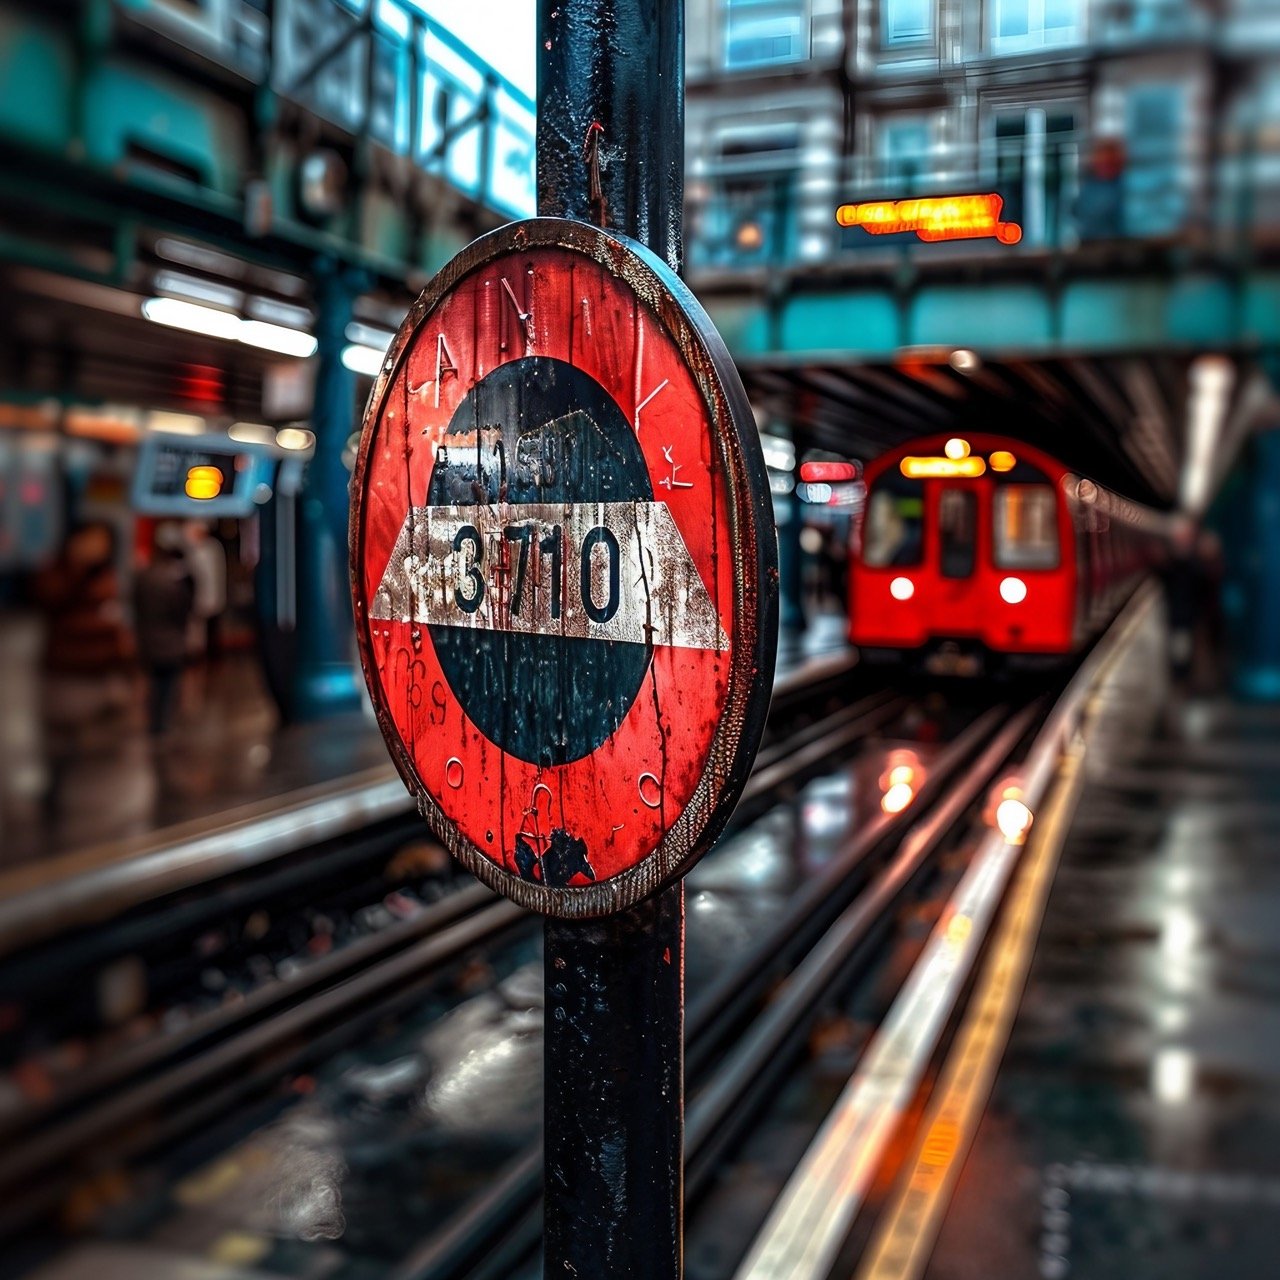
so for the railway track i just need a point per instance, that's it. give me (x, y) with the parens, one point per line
(748, 1025)
(209, 1058)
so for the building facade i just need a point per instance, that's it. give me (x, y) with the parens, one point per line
(1093, 120)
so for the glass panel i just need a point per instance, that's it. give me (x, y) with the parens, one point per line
(904, 151)
(1013, 18)
(907, 20)
(1026, 527)
(893, 532)
(1059, 14)
(957, 531)
(764, 31)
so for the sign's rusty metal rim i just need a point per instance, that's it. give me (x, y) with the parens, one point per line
(753, 544)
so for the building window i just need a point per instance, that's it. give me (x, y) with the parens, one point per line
(1030, 24)
(906, 21)
(904, 155)
(747, 216)
(761, 32)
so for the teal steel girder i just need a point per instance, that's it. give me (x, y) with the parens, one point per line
(1181, 308)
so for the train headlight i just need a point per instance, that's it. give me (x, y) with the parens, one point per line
(904, 589)
(1013, 590)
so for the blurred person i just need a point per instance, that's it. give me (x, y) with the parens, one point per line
(164, 604)
(207, 561)
(86, 642)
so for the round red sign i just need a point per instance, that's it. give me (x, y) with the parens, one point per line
(564, 567)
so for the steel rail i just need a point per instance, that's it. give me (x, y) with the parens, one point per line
(822, 1198)
(505, 1211)
(447, 936)
(821, 739)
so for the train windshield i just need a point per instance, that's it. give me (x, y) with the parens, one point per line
(1026, 527)
(957, 531)
(893, 531)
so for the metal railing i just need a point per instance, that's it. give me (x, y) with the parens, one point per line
(379, 69)
(1063, 192)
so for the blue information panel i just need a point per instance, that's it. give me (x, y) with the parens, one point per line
(207, 475)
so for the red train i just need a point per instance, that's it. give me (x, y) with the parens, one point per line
(981, 544)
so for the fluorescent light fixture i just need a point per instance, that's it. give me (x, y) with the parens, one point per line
(1173, 1075)
(1212, 378)
(275, 337)
(213, 323)
(276, 312)
(367, 335)
(195, 289)
(177, 424)
(251, 433)
(192, 317)
(295, 438)
(361, 359)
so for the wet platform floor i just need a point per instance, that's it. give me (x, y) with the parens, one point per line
(78, 768)
(1134, 1126)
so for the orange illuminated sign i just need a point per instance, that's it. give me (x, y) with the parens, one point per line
(933, 218)
(941, 468)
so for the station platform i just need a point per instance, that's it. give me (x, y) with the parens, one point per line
(80, 774)
(1131, 1127)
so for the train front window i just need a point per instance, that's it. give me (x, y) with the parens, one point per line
(893, 530)
(1026, 527)
(957, 531)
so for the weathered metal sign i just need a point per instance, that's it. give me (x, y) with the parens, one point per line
(564, 567)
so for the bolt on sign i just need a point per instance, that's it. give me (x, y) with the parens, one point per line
(564, 567)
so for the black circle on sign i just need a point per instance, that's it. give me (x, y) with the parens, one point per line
(540, 430)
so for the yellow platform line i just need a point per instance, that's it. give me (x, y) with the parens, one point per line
(903, 1241)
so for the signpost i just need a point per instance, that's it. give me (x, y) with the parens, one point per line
(565, 585)
(560, 594)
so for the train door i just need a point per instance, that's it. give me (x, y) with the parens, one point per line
(956, 518)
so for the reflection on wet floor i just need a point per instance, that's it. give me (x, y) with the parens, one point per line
(1135, 1125)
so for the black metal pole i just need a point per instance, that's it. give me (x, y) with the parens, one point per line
(611, 152)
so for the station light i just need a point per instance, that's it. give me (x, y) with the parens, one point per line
(897, 797)
(277, 337)
(1002, 460)
(902, 588)
(956, 448)
(295, 438)
(1013, 590)
(251, 433)
(941, 468)
(211, 322)
(364, 360)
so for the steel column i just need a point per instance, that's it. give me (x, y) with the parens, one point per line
(611, 152)
(324, 676)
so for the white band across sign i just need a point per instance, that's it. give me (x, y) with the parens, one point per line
(595, 570)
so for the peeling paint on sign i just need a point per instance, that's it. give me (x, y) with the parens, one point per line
(564, 567)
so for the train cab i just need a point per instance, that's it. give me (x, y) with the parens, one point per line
(967, 545)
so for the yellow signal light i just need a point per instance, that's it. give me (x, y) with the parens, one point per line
(1002, 460)
(203, 483)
